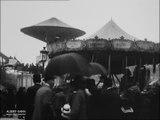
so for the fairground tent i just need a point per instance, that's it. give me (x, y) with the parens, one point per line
(112, 31)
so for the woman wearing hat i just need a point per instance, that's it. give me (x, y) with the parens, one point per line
(79, 100)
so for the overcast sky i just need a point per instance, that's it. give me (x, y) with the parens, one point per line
(139, 18)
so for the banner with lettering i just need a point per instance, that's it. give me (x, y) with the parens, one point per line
(75, 45)
(121, 44)
(97, 44)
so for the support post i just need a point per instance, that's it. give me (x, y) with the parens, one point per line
(109, 66)
(126, 64)
(117, 78)
(92, 59)
(154, 65)
(123, 65)
(139, 70)
(113, 80)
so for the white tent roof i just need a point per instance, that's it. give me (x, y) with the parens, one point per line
(111, 31)
(53, 22)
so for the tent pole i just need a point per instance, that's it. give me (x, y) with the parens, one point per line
(45, 39)
(126, 63)
(139, 69)
(113, 80)
(123, 65)
(92, 59)
(109, 65)
(117, 78)
(154, 65)
(135, 73)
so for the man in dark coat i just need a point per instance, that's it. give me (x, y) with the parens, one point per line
(94, 104)
(30, 97)
(126, 81)
(111, 100)
(43, 107)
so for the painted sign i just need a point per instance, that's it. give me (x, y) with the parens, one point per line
(101, 44)
(144, 45)
(157, 47)
(55, 47)
(119, 44)
(74, 44)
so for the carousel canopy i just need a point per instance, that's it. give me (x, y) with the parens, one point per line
(52, 30)
(112, 31)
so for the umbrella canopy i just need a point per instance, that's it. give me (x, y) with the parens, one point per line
(72, 63)
(51, 30)
(97, 68)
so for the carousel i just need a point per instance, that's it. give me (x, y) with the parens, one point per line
(110, 46)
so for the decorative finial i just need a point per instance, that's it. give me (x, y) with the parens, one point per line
(145, 39)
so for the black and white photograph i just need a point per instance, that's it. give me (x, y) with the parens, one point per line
(79, 59)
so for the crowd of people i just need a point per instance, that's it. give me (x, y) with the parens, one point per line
(78, 97)
(19, 101)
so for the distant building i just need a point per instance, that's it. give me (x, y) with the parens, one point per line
(39, 60)
(19, 78)
(24, 79)
(3, 59)
(13, 61)
(14, 77)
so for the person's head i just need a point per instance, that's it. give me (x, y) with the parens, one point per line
(90, 83)
(91, 86)
(36, 78)
(21, 89)
(106, 81)
(59, 81)
(128, 72)
(143, 71)
(78, 82)
(49, 80)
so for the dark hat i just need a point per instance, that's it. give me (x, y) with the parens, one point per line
(46, 78)
(36, 78)
(78, 81)
(107, 82)
(90, 82)
(128, 72)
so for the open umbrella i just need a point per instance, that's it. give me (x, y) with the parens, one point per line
(97, 68)
(51, 30)
(72, 63)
